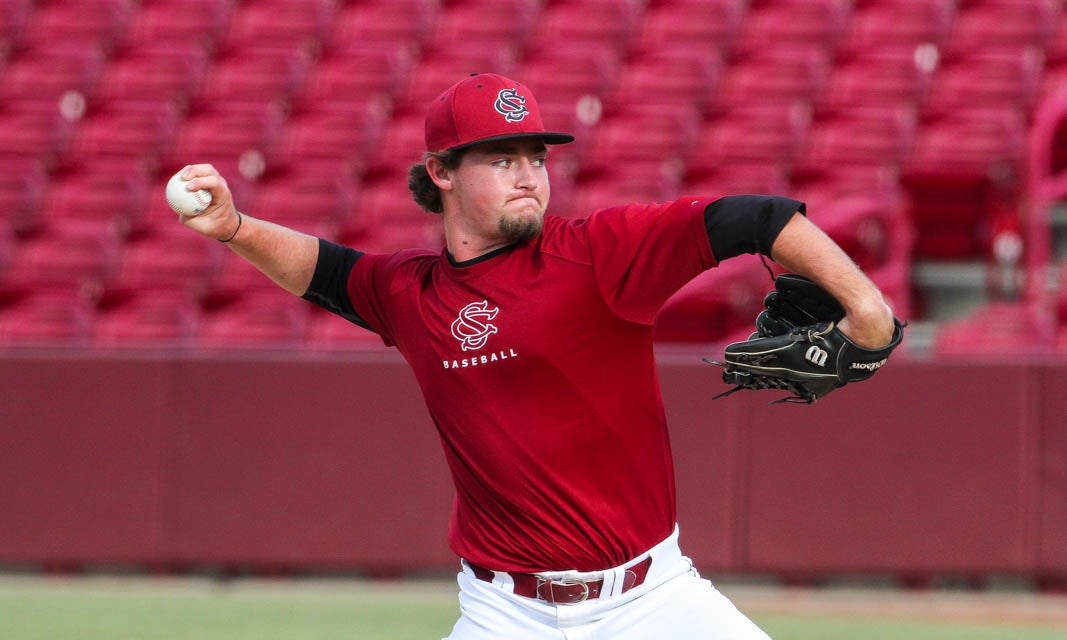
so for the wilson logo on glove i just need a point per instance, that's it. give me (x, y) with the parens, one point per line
(816, 356)
(798, 347)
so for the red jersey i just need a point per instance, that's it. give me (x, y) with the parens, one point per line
(536, 363)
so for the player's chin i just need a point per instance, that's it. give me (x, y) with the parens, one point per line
(523, 226)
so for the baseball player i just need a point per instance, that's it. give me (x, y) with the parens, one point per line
(531, 338)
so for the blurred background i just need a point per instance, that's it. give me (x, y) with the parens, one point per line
(164, 409)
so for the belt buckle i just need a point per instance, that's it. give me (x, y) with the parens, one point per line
(567, 582)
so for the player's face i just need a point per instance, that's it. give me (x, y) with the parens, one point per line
(502, 188)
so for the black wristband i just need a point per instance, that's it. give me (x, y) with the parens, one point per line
(239, 220)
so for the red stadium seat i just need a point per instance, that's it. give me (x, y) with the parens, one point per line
(810, 23)
(472, 23)
(254, 75)
(79, 22)
(307, 199)
(390, 22)
(129, 130)
(992, 77)
(963, 173)
(643, 132)
(8, 240)
(880, 76)
(63, 260)
(223, 137)
(870, 225)
(279, 24)
(147, 319)
(23, 180)
(670, 76)
(736, 177)
(618, 184)
(98, 194)
(609, 22)
(867, 136)
(707, 26)
(14, 16)
(1056, 49)
(155, 72)
(777, 75)
(269, 319)
(199, 23)
(46, 73)
(32, 132)
(171, 258)
(437, 70)
(329, 332)
(386, 218)
(562, 74)
(47, 319)
(343, 136)
(403, 141)
(771, 133)
(357, 74)
(995, 328)
(235, 277)
(1004, 23)
(898, 23)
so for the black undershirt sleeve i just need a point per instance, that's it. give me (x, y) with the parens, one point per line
(329, 285)
(748, 223)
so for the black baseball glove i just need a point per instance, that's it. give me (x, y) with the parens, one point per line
(798, 348)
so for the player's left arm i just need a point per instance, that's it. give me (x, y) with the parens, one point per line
(802, 248)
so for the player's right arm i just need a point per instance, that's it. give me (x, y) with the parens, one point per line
(286, 256)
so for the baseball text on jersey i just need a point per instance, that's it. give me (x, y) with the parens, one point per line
(496, 356)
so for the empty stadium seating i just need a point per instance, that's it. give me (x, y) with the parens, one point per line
(146, 318)
(278, 24)
(609, 22)
(93, 23)
(898, 23)
(164, 71)
(648, 132)
(265, 319)
(23, 179)
(1003, 23)
(668, 76)
(384, 21)
(563, 73)
(709, 26)
(44, 73)
(179, 22)
(491, 23)
(47, 319)
(817, 24)
(928, 102)
(97, 194)
(774, 75)
(962, 173)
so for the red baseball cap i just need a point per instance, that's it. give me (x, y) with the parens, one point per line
(484, 107)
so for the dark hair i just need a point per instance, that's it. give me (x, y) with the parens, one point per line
(427, 195)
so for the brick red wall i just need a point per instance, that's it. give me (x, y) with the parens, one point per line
(305, 461)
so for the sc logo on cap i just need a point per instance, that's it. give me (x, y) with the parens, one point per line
(511, 105)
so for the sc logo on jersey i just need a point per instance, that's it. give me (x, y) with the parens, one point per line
(511, 105)
(472, 328)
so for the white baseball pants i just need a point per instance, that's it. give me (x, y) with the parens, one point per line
(673, 603)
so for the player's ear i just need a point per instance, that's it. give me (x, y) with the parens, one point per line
(441, 176)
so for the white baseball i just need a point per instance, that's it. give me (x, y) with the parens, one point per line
(183, 201)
